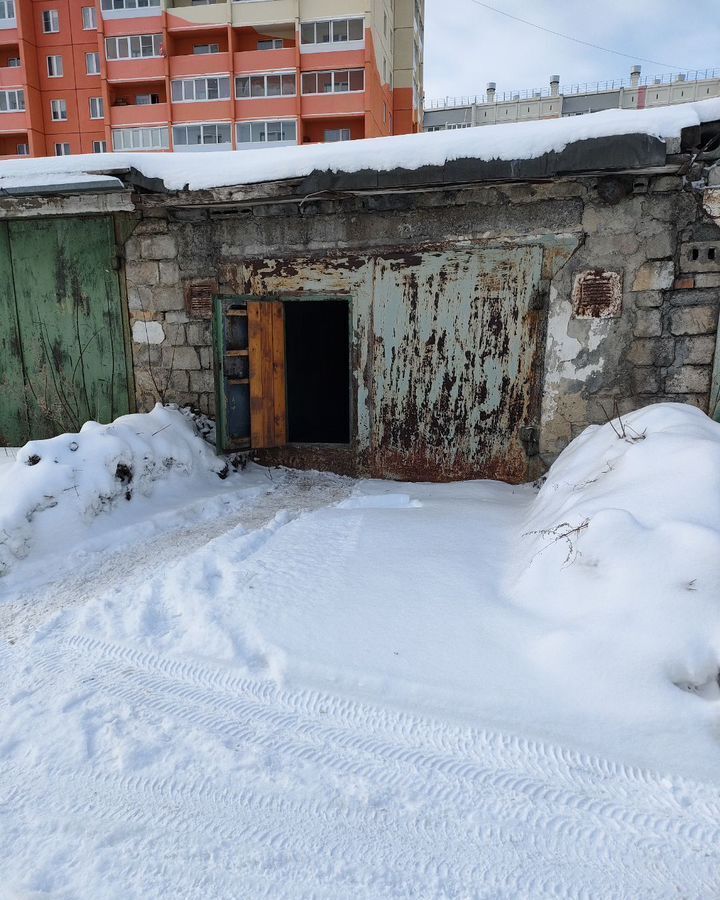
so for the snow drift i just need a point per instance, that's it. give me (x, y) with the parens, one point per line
(620, 554)
(88, 473)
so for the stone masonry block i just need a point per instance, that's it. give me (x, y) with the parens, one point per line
(142, 273)
(660, 246)
(688, 380)
(707, 280)
(693, 320)
(654, 276)
(180, 358)
(169, 272)
(645, 381)
(172, 316)
(652, 352)
(199, 334)
(167, 298)
(160, 246)
(696, 350)
(648, 323)
(648, 299)
(202, 382)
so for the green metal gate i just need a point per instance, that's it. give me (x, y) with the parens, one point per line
(63, 351)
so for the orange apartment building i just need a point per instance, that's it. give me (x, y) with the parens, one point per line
(86, 76)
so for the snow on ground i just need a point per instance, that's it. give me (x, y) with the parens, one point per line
(300, 685)
(522, 140)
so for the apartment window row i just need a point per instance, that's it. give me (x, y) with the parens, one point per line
(339, 81)
(335, 31)
(7, 9)
(201, 89)
(12, 101)
(59, 110)
(141, 138)
(129, 4)
(272, 85)
(64, 149)
(269, 132)
(202, 135)
(136, 46)
(275, 84)
(56, 68)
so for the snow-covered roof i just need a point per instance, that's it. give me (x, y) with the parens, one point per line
(515, 141)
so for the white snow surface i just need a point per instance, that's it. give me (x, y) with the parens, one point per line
(65, 482)
(295, 684)
(523, 140)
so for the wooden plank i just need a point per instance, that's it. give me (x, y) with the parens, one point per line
(267, 374)
(257, 399)
(236, 312)
(278, 373)
(14, 430)
(236, 352)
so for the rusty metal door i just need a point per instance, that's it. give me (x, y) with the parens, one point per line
(454, 346)
(62, 335)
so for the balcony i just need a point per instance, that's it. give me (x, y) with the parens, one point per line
(146, 68)
(264, 60)
(145, 12)
(199, 64)
(12, 76)
(181, 16)
(263, 12)
(139, 114)
(12, 122)
(266, 108)
(340, 104)
(6, 24)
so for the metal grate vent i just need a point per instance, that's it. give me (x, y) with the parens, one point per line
(199, 298)
(597, 294)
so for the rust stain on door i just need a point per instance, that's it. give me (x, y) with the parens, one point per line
(445, 356)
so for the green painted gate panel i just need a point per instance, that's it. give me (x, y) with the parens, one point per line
(70, 320)
(13, 410)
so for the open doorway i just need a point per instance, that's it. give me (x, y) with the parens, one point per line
(317, 359)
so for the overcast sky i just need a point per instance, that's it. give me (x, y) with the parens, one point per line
(466, 46)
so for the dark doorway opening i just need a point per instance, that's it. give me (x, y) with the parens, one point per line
(317, 350)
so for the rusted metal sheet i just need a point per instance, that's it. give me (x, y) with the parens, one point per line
(445, 344)
(597, 294)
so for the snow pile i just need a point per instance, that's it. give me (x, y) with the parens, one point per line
(620, 556)
(522, 140)
(83, 475)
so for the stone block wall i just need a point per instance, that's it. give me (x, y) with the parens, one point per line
(656, 343)
(172, 350)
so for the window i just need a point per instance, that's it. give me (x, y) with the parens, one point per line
(201, 135)
(140, 138)
(51, 21)
(341, 81)
(12, 101)
(267, 132)
(206, 48)
(97, 108)
(337, 134)
(274, 44)
(89, 18)
(99, 146)
(200, 89)
(13, 62)
(55, 66)
(337, 31)
(58, 110)
(129, 4)
(62, 149)
(7, 9)
(147, 99)
(92, 63)
(23, 150)
(136, 46)
(274, 85)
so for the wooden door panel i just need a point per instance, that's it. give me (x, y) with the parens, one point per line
(266, 344)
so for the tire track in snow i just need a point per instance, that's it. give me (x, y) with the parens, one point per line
(313, 710)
